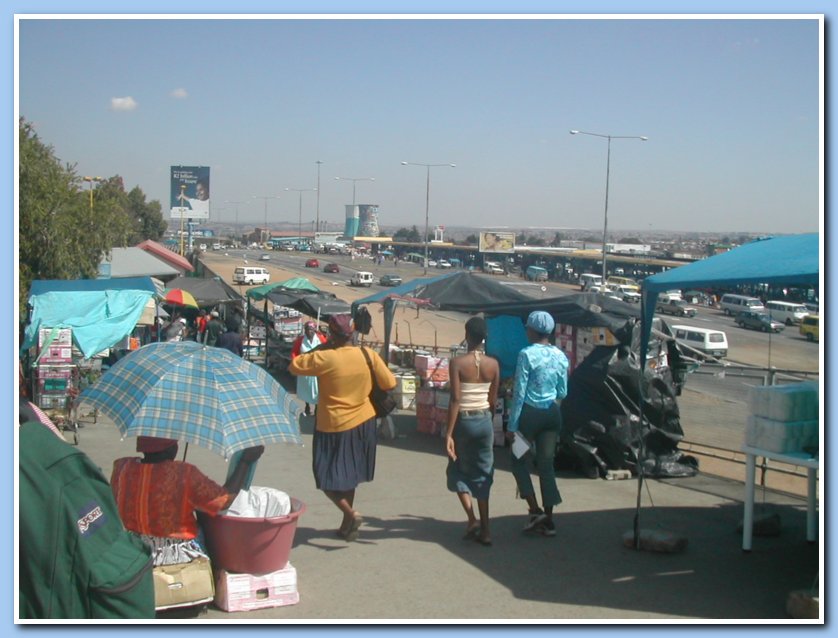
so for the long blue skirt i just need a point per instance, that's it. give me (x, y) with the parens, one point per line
(473, 471)
(342, 460)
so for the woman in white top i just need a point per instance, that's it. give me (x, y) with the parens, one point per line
(474, 380)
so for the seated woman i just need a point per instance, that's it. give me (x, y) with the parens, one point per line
(157, 497)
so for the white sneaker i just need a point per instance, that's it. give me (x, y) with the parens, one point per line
(535, 521)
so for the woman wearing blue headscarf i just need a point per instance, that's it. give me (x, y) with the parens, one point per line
(540, 384)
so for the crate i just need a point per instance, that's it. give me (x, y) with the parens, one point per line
(407, 384)
(63, 337)
(405, 400)
(56, 355)
(244, 592)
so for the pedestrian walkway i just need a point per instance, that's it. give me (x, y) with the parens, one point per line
(410, 563)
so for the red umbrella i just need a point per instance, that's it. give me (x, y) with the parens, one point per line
(179, 297)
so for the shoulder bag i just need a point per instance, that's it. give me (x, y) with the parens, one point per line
(381, 400)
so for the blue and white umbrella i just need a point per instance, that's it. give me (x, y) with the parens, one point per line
(195, 393)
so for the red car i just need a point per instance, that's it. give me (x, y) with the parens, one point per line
(331, 268)
(312, 263)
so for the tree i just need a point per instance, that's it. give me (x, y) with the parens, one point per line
(61, 236)
(472, 240)
(557, 240)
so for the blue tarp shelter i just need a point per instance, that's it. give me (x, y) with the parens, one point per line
(791, 259)
(99, 311)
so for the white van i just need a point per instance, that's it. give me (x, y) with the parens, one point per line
(732, 305)
(786, 311)
(587, 279)
(361, 278)
(250, 275)
(706, 341)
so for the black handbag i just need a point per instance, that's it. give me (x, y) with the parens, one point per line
(381, 400)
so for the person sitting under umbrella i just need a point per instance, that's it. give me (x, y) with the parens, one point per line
(157, 497)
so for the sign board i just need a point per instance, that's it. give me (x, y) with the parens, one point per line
(190, 192)
(496, 242)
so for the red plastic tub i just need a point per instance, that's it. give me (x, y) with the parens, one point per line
(251, 545)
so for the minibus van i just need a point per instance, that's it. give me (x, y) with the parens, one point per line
(732, 305)
(706, 341)
(249, 275)
(536, 273)
(786, 311)
(624, 281)
(587, 279)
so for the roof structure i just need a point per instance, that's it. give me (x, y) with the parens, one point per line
(170, 257)
(136, 262)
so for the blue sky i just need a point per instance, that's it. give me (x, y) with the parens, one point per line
(730, 107)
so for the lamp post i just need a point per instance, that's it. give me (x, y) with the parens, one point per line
(427, 200)
(236, 204)
(300, 223)
(354, 180)
(90, 180)
(642, 138)
(317, 217)
(265, 198)
(182, 197)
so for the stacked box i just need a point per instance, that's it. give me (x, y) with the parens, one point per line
(442, 399)
(432, 369)
(783, 418)
(56, 354)
(245, 592)
(405, 400)
(63, 337)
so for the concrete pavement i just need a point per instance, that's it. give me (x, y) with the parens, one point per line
(411, 565)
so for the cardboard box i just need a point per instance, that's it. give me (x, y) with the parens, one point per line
(63, 337)
(426, 363)
(426, 396)
(243, 592)
(407, 384)
(427, 425)
(56, 354)
(405, 400)
(442, 399)
(185, 584)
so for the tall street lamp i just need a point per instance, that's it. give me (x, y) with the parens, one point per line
(354, 180)
(427, 200)
(90, 180)
(236, 204)
(301, 191)
(317, 218)
(265, 198)
(642, 138)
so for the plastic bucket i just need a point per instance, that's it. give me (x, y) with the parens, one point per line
(251, 545)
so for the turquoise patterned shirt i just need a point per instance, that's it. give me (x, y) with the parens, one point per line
(540, 379)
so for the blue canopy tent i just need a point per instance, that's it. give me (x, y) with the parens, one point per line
(792, 259)
(100, 311)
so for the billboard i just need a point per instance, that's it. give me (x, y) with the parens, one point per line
(493, 242)
(190, 194)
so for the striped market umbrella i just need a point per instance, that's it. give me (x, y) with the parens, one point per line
(198, 394)
(179, 297)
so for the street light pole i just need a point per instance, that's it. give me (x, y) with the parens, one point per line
(317, 214)
(300, 221)
(90, 180)
(265, 198)
(227, 201)
(642, 138)
(427, 200)
(182, 197)
(354, 180)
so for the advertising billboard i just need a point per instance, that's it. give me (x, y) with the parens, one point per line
(190, 194)
(496, 242)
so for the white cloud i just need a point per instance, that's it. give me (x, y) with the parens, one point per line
(123, 103)
(179, 94)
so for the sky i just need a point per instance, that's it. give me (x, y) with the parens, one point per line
(731, 109)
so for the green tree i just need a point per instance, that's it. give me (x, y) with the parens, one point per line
(557, 240)
(472, 240)
(61, 235)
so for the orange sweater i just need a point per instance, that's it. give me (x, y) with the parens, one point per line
(344, 383)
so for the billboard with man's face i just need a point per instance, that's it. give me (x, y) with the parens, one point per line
(496, 242)
(190, 195)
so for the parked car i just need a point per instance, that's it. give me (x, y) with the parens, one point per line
(443, 263)
(312, 263)
(264, 257)
(677, 307)
(810, 327)
(331, 268)
(390, 280)
(758, 321)
(431, 263)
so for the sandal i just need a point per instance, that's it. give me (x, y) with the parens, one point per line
(472, 532)
(486, 542)
(351, 534)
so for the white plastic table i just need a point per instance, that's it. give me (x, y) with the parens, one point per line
(794, 458)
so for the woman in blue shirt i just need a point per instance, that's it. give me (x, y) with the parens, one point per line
(540, 382)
